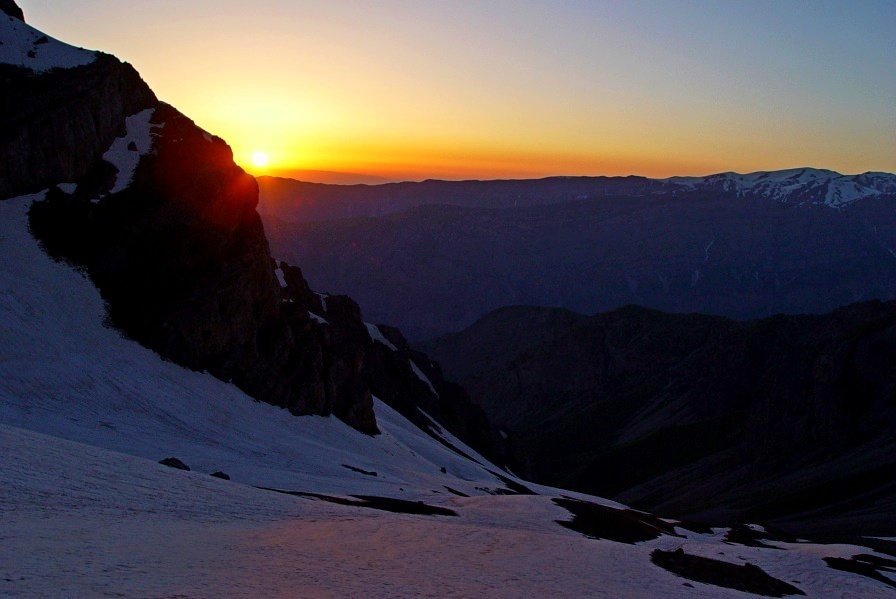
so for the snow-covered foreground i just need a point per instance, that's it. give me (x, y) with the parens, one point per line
(86, 510)
(65, 374)
(82, 521)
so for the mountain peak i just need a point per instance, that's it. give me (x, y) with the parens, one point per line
(12, 9)
(794, 186)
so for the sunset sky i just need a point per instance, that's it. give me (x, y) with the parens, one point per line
(523, 88)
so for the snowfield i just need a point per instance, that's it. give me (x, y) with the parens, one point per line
(83, 521)
(86, 510)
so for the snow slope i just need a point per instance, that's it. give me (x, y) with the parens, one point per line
(65, 374)
(86, 510)
(82, 521)
(25, 46)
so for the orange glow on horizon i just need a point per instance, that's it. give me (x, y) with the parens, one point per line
(467, 90)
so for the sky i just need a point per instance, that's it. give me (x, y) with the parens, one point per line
(525, 88)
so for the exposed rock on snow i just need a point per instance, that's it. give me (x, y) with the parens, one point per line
(746, 577)
(174, 463)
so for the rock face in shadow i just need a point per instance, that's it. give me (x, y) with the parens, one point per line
(790, 419)
(12, 9)
(181, 258)
(55, 126)
(392, 378)
(179, 252)
(388, 372)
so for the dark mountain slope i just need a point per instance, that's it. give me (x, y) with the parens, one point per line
(155, 211)
(297, 201)
(789, 419)
(436, 269)
(55, 125)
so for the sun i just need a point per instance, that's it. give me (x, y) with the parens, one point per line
(260, 159)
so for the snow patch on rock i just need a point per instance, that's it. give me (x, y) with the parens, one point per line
(126, 151)
(423, 377)
(377, 335)
(318, 319)
(280, 278)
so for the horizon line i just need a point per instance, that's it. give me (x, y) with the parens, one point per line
(387, 181)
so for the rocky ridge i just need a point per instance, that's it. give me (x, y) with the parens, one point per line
(163, 221)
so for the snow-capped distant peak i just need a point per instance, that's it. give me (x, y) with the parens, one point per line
(798, 185)
(24, 46)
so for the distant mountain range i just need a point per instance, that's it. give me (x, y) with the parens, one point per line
(787, 419)
(433, 257)
(329, 177)
(301, 200)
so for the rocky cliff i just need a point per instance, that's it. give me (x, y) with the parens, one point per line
(55, 123)
(163, 221)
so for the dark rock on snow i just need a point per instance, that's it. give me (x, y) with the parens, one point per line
(221, 475)
(360, 470)
(616, 524)
(375, 502)
(174, 463)
(747, 578)
(866, 565)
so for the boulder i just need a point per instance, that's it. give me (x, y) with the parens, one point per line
(174, 463)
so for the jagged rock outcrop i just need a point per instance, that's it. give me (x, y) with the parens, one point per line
(56, 125)
(181, 257)
(387, 366)
(165, 224)
(391, 375)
